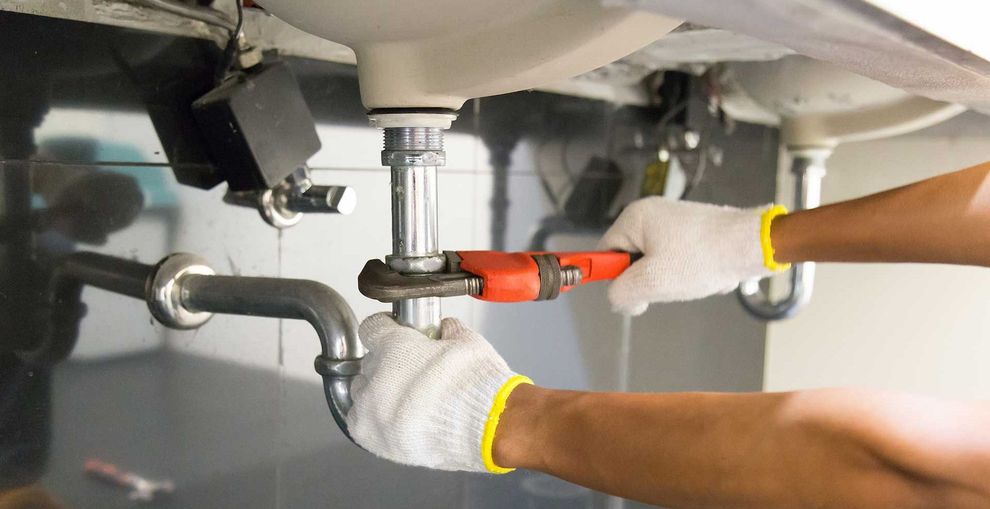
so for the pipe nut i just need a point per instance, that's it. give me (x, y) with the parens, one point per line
(401, 119)
(413, 158)
(164, 291)
(417, 264)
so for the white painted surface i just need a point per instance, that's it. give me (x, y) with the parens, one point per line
(916, 328)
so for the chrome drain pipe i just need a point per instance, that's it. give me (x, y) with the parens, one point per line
(183, 292)
(413, 148)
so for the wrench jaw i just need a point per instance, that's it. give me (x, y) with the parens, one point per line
(378, 281)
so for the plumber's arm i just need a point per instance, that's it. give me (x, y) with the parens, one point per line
(945, 219)
(822, 449)
(693, 250)
(454, 404)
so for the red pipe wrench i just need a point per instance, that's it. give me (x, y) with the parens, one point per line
(496, 276)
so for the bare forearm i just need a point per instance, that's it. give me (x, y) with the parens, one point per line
(679, 450)
(739, 450)
(945, 219)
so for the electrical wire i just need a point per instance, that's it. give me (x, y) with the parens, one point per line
(669, 115)
(699, 172)
(209, 16)
(230, 50)
(699, 169)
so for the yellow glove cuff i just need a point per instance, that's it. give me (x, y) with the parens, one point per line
(765, 224)
(491, 426)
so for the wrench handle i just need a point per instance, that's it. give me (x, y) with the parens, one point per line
(515, 277)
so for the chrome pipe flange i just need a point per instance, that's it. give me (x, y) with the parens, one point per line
(163, 291)
(272, 205)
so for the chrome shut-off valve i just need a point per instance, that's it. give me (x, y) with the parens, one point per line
(283, 206)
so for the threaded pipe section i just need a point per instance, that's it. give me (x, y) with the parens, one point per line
(413, 138)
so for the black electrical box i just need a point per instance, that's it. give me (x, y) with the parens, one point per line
(258, 127)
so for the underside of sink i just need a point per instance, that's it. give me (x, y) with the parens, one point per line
(439, 53)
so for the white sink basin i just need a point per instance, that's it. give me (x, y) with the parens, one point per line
(439, 53)
(820, 105)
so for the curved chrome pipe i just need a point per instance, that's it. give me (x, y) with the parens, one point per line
(299, 299)
(183, 293)
(59, 325)
(183, 288)
(756, 301)
(808, 167)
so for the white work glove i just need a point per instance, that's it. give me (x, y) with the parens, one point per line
(429, 402)
(690, 250)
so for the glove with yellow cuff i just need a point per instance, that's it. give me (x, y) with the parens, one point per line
(426, 402)
(690, 250)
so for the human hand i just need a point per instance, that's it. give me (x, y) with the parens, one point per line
(427, 402)
(690, 250)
